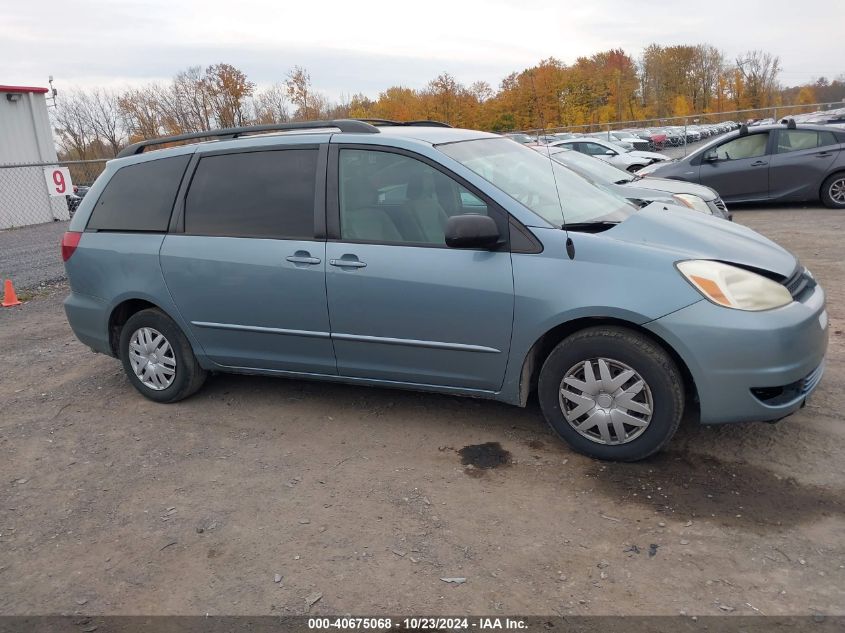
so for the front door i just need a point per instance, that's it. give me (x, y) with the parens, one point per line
(738, 169)
(404, 307)
(248, 274)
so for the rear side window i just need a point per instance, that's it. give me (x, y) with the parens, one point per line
(140, 197)
(795, 140)
(255, 194)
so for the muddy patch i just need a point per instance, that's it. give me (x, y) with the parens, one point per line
(537, 445)
(481, 457)
(696, 486)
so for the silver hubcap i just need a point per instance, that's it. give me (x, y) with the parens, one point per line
(837, 191)
(152, 358)
(606, 401)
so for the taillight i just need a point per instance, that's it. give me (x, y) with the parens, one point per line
(70, 240)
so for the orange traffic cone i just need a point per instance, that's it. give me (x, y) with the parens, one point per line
(9, 297)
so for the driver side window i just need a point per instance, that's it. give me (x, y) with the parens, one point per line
(750, 146)
(594, 149)
(395, 199)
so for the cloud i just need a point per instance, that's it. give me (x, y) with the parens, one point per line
(350, 49)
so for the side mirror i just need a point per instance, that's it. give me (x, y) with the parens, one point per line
(471, 230)
(610, 152)
(711, 156)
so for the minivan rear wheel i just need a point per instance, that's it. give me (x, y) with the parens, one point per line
(612, 393)
(157, 357)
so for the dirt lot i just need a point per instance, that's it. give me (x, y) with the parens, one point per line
(112, 504)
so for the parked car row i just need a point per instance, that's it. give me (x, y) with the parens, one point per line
(74, 199)
(644, 139)
(786, 162)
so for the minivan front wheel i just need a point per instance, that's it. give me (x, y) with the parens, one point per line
(157, 357)
(612, 393)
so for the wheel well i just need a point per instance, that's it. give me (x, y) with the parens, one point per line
(545, 344)
(120, 315)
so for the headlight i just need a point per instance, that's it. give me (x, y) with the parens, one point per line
(734, 287)
(692, 202)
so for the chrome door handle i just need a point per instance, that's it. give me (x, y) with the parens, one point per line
(759, 163)
(347, 263)
(303, 259)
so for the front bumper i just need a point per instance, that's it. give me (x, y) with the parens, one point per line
(750, 366)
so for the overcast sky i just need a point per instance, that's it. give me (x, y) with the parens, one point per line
(353, 46)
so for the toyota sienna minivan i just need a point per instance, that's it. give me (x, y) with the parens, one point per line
(425, 257)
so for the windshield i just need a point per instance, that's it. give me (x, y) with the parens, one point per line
(592, 168)
(555, 193)
(618, 147)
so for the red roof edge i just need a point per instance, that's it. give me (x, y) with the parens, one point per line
(22, 89)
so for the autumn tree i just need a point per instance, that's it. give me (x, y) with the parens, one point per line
(608, 86)
(140, 112)
(309, 103)
(398, 103)
(271, 105)
(73, 125)
(228, 92)
(759, 71)
(441, 98)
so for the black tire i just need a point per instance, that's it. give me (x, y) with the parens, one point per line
(641, 354)
(827, 199)
(189, 376)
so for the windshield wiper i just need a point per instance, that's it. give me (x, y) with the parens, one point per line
(622, 181)
(595, 226)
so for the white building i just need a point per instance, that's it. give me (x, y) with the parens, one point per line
(26, 138)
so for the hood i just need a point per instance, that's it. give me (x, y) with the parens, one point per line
(626, 157)
(658, 166)
(670, 186)
(649, 155)
(693, 235)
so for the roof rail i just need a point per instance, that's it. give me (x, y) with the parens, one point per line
(344, 125)
(419, 123)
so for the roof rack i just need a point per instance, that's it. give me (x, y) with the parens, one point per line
(420, 123)
(344, 125)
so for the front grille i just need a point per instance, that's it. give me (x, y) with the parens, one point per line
(799, 282)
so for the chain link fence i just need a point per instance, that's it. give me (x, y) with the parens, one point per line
(34, 193)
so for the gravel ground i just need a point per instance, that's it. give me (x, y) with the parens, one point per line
(359, 498)
(31, 256)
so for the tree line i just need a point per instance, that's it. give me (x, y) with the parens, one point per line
(666, 81)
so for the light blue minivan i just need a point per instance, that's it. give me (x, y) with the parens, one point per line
(420, 256)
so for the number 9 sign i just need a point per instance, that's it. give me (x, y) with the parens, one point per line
(58, 181)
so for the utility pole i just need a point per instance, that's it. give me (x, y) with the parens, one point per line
(53, 93)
